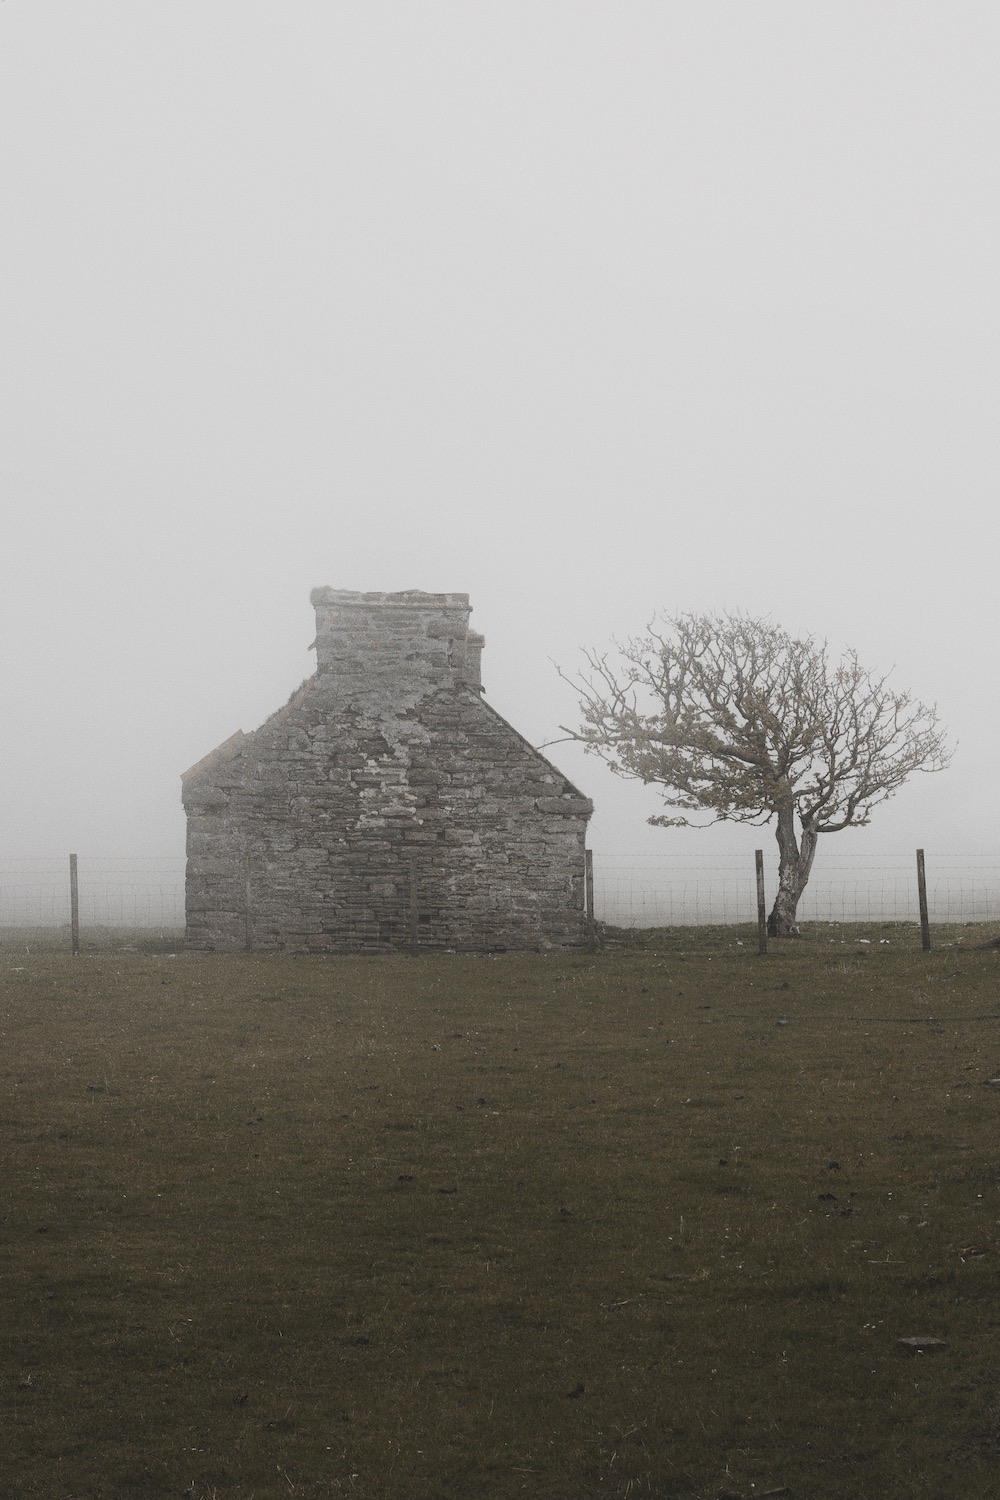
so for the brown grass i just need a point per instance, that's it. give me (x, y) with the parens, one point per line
(648, 1222)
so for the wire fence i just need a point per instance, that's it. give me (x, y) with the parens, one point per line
(120, 899)
(656, 892)
(140, 901)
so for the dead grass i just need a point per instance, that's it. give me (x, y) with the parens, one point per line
(648, 1222)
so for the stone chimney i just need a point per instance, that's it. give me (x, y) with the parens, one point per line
(409, 643)
(472, 672)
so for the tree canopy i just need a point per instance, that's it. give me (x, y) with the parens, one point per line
(733, 718)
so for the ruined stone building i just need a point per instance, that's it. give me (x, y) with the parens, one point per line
(386, 805)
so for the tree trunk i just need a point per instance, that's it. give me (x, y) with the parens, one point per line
(794, 864)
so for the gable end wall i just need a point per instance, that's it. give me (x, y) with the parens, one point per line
(354, 824)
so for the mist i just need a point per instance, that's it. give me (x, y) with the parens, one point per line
(588, 311)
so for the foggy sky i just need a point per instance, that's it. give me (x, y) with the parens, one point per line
(587, 310)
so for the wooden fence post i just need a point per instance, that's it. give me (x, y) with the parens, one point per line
(414, 908)
(74, 905)
(925, 926)
(247, 903)
(761, 903)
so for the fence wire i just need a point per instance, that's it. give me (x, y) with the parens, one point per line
(115, 894)
(145, 896)
(645, 892)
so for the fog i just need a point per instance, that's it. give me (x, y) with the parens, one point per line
(587, 310)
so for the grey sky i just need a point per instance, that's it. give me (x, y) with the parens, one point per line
(585, 309)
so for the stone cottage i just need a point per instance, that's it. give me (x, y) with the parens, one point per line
(386, 806)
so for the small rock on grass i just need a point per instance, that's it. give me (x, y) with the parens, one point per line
(921, 1344)
(761, 1495)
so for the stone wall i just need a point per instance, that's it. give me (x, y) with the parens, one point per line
(386, 805)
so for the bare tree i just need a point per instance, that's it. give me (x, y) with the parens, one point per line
(735, 718)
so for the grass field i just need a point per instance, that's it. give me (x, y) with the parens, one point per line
(645, 1222)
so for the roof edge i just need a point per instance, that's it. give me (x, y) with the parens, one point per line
(572, 789)
(228, 750)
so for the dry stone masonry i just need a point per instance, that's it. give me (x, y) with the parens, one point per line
(386, 806)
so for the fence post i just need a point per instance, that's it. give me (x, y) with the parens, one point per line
(247, 902)
(761, 903)
(74, 905)
(925, 926)
(588, 888)
(414, 908)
